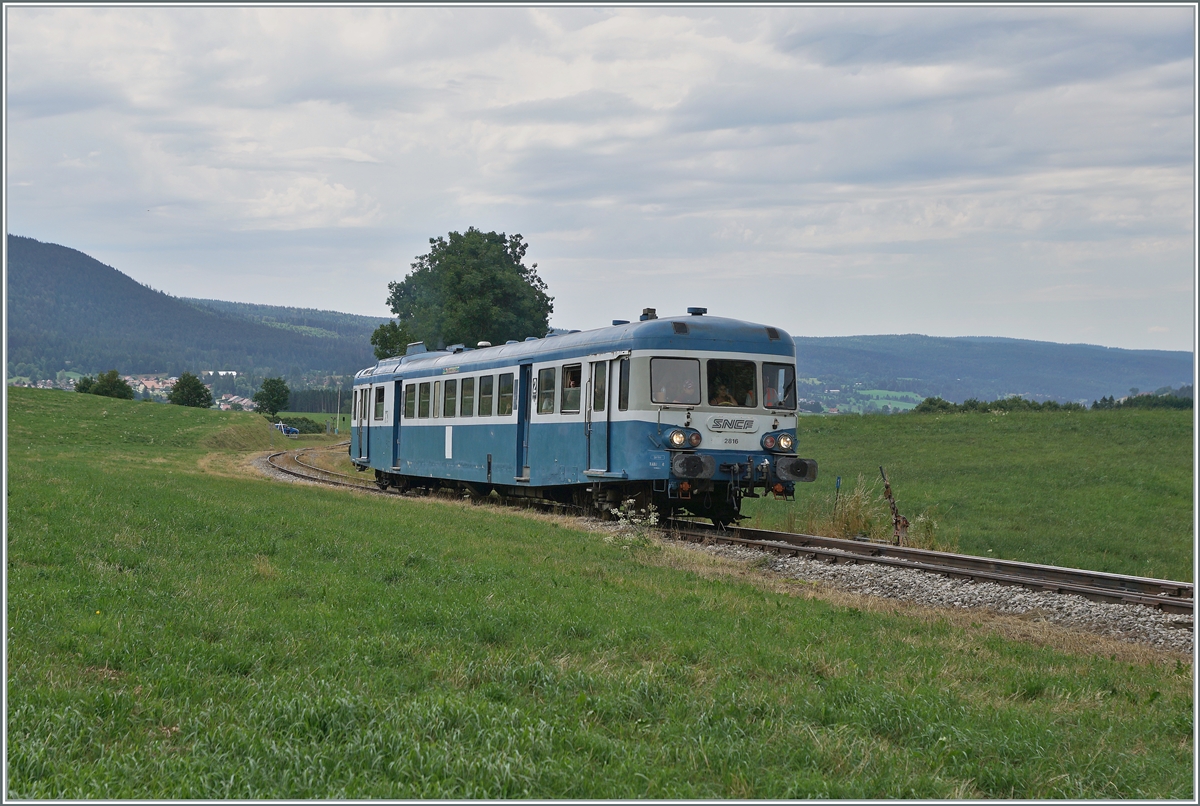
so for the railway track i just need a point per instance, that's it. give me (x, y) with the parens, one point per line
(1165, 595)
(292, 463)
(1162, 594)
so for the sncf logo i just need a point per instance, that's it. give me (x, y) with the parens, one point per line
(745, 424)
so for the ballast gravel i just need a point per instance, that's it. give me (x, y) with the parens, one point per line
(1132, 623)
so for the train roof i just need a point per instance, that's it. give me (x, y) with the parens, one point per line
(706, 333)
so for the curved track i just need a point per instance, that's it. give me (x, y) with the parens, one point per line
(1162, 594)
(291, 463)
(1166, 595)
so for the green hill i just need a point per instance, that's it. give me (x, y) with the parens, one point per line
(67, 310)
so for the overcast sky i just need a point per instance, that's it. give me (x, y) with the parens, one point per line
(1022, 172)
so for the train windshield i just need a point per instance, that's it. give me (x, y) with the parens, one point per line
(675, 380)
(731, 383)
(779, 386)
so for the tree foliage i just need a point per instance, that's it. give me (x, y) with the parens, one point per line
(108, 384)
(470, 287)
(272, 398)
(190, 391)
(390, 339)
(936, 405)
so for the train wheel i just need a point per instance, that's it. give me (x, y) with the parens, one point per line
(381, 480)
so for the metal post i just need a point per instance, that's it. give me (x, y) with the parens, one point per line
(899, 522)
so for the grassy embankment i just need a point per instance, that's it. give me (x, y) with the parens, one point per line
(177, 628)
(1104, 490)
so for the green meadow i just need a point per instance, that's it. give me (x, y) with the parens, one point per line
(181, 628)
(1103, 490)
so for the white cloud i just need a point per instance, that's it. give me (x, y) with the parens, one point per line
(1045, 151)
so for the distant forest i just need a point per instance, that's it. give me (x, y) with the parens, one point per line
(69, 311)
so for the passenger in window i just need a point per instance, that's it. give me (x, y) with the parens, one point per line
(685, 394)
(749, 399)
(722, 397)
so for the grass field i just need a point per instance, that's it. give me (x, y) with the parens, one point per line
(1104, 490)
(178, 627)
(317, 417)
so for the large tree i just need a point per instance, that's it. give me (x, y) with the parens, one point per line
(470, 287)
(190, 391)
(272, 398)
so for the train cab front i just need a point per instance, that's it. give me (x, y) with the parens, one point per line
(725, 460)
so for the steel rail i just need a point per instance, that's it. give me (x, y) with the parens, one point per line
(296, 458)
(1166, 595)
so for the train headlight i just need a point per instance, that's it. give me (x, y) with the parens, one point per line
(694, 439)
(677, 439)
(786, 442)
(768, 441)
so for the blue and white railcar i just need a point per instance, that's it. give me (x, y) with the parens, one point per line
(689, 413)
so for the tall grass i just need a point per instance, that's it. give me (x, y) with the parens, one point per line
(864, 513)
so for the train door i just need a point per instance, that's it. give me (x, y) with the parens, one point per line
(596, 417)
(524, 408)
(397, 404)
(363, 445)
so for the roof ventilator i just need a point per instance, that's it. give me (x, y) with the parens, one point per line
(648, 314)
(772, 334)
(697, 311)
(681, 328)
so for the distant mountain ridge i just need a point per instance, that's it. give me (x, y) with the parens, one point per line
(67, 310)
(988, 367)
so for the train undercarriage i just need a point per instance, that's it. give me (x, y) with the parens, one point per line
(719, 501)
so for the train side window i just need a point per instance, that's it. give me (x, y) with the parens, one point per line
(731, 383)
(675, 380)
(378, 402)
(546, 391)
(410, 401)
(571, 376)
(437, 396)
(362, 404)
(779, 386)
(600, 386)
(354, 408)
(450, 399)
(423, 401)
(485, 396)
(623, 388)
(505, 403)
(467, 408)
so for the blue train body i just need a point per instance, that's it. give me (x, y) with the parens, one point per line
(688, 413)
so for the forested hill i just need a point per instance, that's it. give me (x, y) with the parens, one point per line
(988, 368)
(306, 321)
(69, 311)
